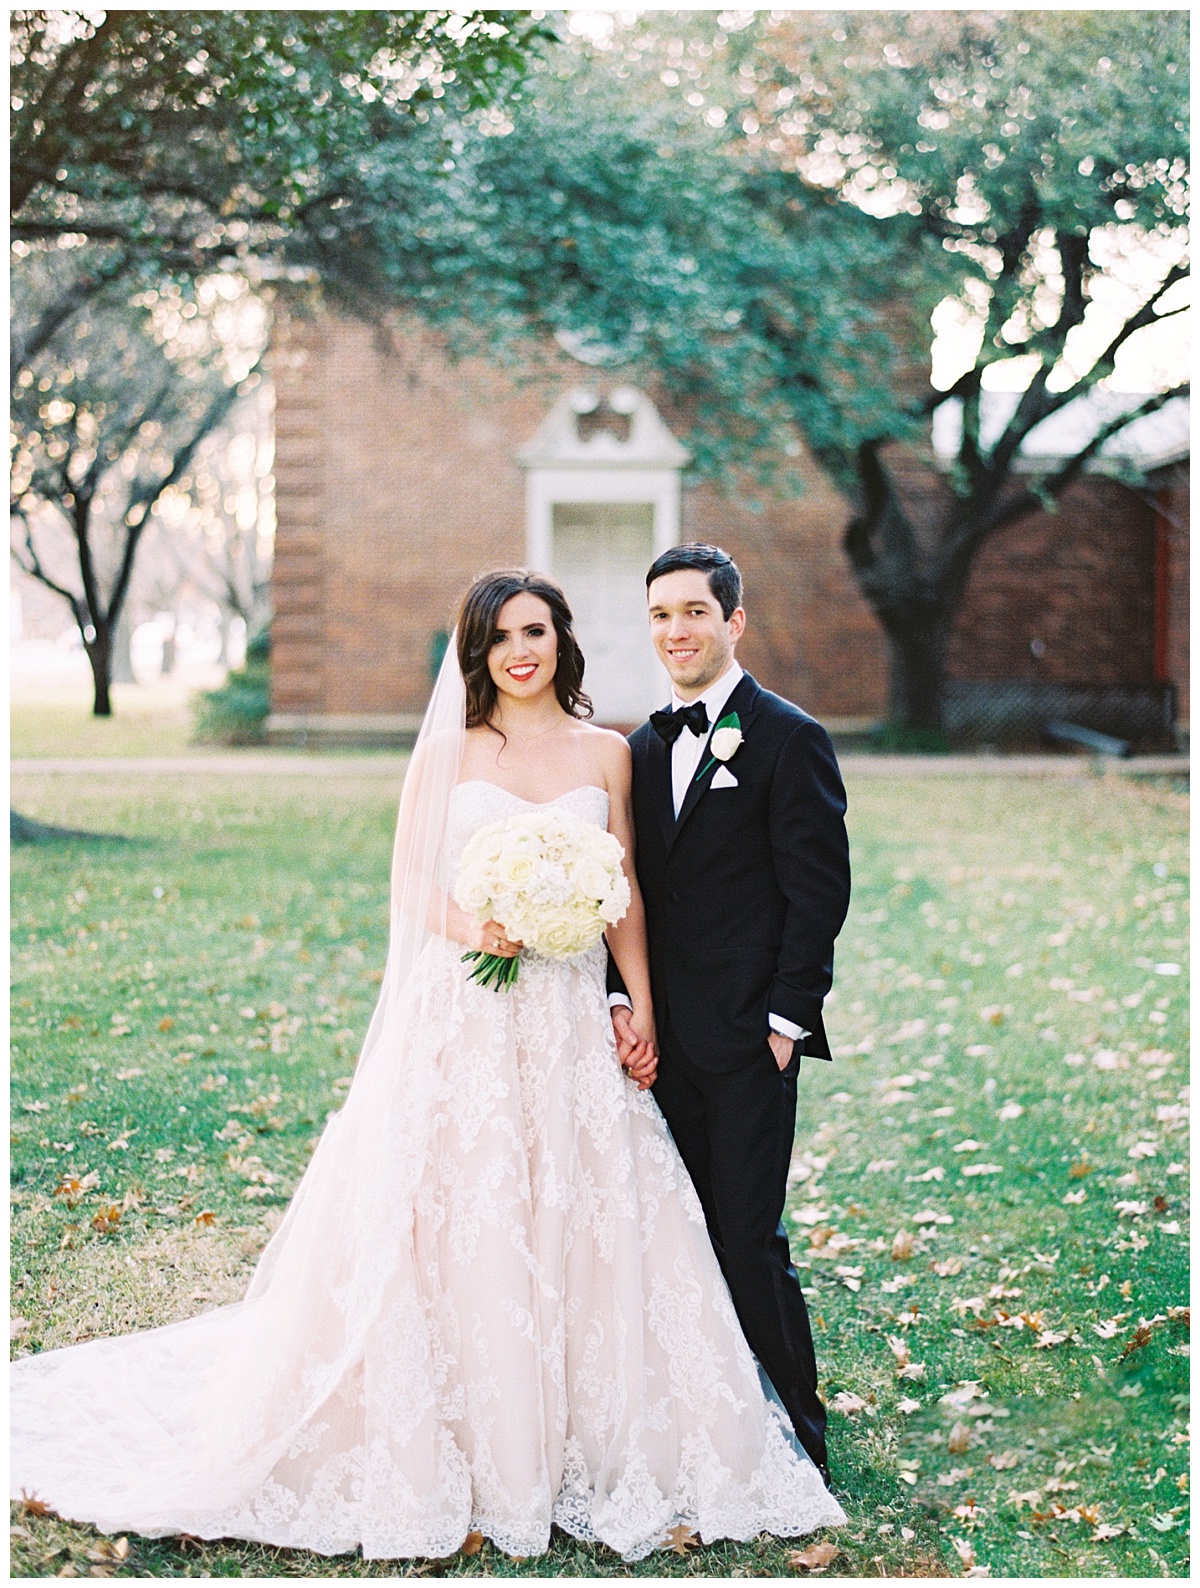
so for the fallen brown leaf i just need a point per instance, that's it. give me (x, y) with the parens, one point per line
(900, 1350)
(815, 1558)
(846, 1402)
(965, 1551)
(72, 1188)
(166, 1023)
(207, 1217)
(472, 1544)
(902, 1246)
(959, 1440)
(681, 1539)
(32, 1506)
(1140, 1337)
(109, 1549)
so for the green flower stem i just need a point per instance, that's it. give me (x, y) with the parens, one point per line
(493, 970)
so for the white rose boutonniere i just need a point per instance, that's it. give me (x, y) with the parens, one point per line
(725, 742)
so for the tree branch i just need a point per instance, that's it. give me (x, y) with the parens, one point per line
(35, 570)
(64, 82)
(147, 496)
(1028, 501)
(85, 287)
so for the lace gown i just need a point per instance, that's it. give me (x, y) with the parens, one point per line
(492, 1304)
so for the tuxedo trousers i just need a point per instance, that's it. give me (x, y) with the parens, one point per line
(735, 1132)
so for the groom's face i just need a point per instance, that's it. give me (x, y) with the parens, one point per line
(693, 637)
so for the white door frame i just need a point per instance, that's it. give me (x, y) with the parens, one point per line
(547, 488)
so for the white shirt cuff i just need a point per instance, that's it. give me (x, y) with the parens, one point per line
(786, 1028)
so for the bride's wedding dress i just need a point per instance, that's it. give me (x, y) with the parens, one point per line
(492, 1304)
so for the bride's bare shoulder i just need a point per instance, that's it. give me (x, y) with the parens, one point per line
(608, 741)
(611, 754)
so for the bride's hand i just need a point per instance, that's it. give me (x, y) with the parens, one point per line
(643, 1067)
(491, 938)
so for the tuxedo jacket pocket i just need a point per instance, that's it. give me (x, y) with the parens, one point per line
(723, 778)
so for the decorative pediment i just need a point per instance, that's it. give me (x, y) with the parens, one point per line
(590, 429)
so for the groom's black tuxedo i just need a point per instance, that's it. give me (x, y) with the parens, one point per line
(744, 894)
(747, 890)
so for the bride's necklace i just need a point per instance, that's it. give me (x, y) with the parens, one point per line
(530, 738)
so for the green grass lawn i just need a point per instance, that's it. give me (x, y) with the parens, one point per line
(989, 1198)
(49, 720)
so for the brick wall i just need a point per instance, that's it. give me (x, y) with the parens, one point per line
(1172, 498)
(1076, 585)
(810, 636)
(397, 484)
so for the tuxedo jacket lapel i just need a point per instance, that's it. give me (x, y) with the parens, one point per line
(658, 768)
(741, 701)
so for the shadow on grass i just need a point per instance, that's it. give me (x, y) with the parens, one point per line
(24, 830)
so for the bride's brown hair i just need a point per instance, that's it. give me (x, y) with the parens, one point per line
(478, 617)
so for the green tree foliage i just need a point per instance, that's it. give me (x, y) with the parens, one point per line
(193, 137)
(152, 150)
(1022, 158)
(610, 219)
(767, 240)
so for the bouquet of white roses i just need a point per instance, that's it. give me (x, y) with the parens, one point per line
(551, 879)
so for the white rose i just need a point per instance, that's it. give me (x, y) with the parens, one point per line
(564, 933)
(615, 903)
(724, 743)
(591, 876)
(516, 868)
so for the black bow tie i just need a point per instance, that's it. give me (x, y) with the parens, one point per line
(668, 725)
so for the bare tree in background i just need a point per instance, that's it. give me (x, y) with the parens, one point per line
(106, 420)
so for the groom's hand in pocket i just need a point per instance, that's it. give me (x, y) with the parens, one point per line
(781, 1047)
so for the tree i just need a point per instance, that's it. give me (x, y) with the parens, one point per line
(769, 242)
(1018, 161)
(103, 425)
(188, 138)
(217, 524)
(152, 150)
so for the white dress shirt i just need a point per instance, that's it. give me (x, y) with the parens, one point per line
(689, 747)
(685, 762)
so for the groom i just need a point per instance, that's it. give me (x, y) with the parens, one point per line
(743, 865)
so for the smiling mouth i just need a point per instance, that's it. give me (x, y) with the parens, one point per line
(522, 673)
(683, 656)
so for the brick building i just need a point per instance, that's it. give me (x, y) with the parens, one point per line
(400, 475)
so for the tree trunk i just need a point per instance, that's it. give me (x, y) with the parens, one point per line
(916, 659)
(99, 654)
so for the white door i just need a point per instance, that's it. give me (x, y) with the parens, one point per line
(600, 552)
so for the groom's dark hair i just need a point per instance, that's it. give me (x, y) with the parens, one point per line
(724, 576)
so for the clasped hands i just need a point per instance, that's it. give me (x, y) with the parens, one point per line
(638, 1053)
(637, 1050)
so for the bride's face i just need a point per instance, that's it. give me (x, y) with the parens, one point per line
(524, 654)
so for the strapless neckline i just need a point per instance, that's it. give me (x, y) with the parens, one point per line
(483, 782)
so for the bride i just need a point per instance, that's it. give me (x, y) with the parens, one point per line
(492, 1303)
